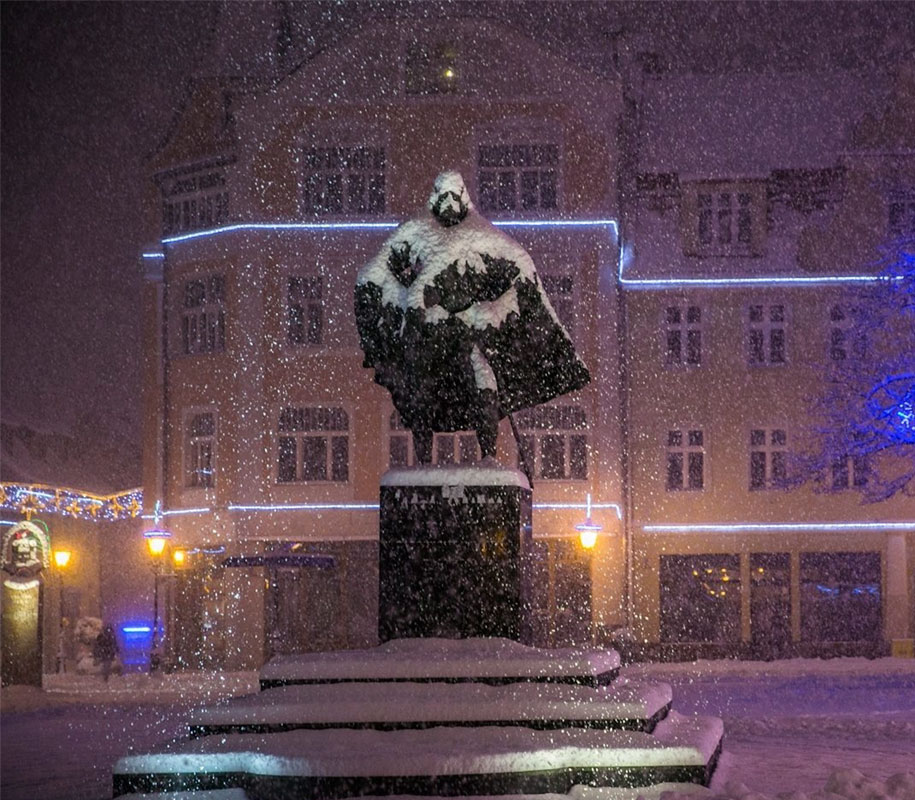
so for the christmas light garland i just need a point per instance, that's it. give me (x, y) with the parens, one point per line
(33, 498)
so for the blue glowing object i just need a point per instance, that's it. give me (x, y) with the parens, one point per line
(892, 406)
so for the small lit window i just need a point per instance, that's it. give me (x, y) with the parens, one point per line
(432, 68)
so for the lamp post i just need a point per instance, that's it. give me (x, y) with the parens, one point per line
(156, 541)
(61, 560)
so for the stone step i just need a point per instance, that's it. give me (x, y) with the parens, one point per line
(447, 761)
(625, 705)
(483, 660)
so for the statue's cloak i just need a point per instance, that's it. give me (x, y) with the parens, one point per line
(447, 313)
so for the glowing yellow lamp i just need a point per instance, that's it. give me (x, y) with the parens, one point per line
(156, 541)
(62, 558)
(449, 73)
(588, 530)
(179, 557)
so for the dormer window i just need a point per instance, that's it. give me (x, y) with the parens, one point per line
(431, 68)
(193, 201)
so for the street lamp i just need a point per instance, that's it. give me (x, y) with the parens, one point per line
(61, 560)
(156, 541)
(588, 530)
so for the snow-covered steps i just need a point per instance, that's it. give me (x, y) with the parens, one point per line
(484, 660)
(443, 761)
(390, 706)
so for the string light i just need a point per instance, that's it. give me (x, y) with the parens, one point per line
(29, 499)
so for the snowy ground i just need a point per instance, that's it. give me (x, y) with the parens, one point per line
(789, 725)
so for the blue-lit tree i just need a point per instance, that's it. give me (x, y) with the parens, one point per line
(864, 429)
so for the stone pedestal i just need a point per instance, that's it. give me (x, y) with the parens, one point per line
(454, 546)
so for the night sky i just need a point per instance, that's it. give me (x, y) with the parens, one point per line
(88, 89)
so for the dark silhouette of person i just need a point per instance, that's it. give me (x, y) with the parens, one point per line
(105, 650)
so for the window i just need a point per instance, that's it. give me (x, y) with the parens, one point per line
(554, 440)
(304, 310)
(845, 342)
(901, 215)
(683, 335)
(728, 219)
(195, 201)
(685, 460)
(518, 176)
(849, 472)
(431, 68)
(560, 289)
(343, 180)
(700, 598)
(203, 319)
(447, 448)
(200, 451)
(313, 444)
(840, 597)
(766, 333)
(768, 458)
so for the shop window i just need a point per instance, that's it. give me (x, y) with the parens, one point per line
(203, 316)
(700, 598)
(767, 330)
(840, 597)
(313, 444)
(685, 460)
(554, 441)
(683, 335)
(770, 602)
(343, 180)
(201, 451)
(447, 448)
(305, 310)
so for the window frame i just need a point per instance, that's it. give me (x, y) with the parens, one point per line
(538, 434)
(198, 317)
(768, 448)
(685, 449)
(308, 303)
(328, 138)
(180, 191)
(520, 132)
(459, 442)
(298, 435)
(684, 327)
(190, 440)
(733, 227)
(766, 326)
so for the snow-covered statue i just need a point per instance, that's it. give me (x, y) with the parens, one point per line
(454, 321)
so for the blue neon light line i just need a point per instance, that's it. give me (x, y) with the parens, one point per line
(611, 224)
(136, 629)
(175, 511)
(359, 507)
(153, 255)
(782, 526)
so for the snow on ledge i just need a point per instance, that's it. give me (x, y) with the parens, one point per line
(456, 475)
(416, 659)
(677, 741)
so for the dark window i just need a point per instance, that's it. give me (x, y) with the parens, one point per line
(685, 462)
(517, 176)
(319, 448)
(431, 68)
(683, 325)
(343, 180)
(840, 597)
(554, 441)
(305, 310)
(203, 319)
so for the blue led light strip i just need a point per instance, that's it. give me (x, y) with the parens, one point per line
(781, 526)
(611, 225)
(357, 507)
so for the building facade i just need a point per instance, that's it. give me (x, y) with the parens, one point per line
(698, 234)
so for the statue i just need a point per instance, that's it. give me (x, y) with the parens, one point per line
(455, 322)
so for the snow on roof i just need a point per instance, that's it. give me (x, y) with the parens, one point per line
(744, 125)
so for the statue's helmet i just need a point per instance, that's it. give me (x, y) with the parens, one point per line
(449, 201)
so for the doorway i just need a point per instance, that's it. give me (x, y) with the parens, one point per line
(770, 603)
